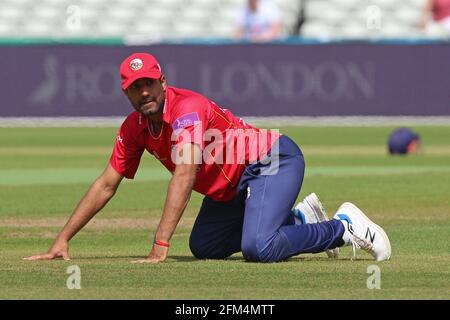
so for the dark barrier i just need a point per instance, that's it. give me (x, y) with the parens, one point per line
(251, 80)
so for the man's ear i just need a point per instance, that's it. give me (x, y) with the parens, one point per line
(163, 82)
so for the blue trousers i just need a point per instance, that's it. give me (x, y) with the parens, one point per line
(258, 221)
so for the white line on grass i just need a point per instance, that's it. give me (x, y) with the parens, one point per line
(72, 176)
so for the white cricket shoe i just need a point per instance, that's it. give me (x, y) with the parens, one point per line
(311, 210)
(362, 233)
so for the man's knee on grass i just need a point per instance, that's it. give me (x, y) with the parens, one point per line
(202, 249)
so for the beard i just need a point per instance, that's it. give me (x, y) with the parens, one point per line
(150, 107)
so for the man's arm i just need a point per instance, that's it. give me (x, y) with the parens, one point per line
(425, 15)
(272, 33)
(98, 195)
(239, 33)
(178, 195)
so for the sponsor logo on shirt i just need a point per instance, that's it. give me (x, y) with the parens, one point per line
(185, 121)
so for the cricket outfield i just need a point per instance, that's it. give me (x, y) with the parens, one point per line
(45, 171)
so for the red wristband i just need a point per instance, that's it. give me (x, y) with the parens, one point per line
(160, 243)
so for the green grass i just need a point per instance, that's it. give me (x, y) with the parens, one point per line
(45, 171)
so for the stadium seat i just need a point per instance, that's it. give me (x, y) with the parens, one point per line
(345, 4)
(110, 28)
(435, 30)
(206, 4)
(148, 30)
(120, 13)
(289, 7)
(234, 3)
(222, 30)
(56, 3)
(407, 15)
(156, 14)
(87, 3)
(395, 30)
(190, 30)
(7, 28)
(354, 30)
(171, 4)
(352, 18)
(47, 12)
(317, 30)
(345, 18)
(416, 4)
(196, 15)
(11, 3)
(315, 10)
(227, 15)
(382, 4)
(39, 28)
(11, 13)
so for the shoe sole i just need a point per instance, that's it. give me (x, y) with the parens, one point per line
(374, 226)
(314, 202)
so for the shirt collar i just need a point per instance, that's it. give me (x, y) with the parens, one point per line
(166, 108)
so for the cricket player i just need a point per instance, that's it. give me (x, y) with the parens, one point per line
(250, 178)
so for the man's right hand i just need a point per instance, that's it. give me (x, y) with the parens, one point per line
(60, 249)
(98, 195)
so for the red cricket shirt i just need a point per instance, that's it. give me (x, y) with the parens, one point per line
(441, 9)
(228, 143)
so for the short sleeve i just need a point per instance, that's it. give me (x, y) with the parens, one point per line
(239, 21)
(189, 121)
(272, 13)
(126, 154)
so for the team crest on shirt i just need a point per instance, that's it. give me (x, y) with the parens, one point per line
(136, 64)
(186, 120)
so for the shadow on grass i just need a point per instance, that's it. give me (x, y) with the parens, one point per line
(131, 258)
(292, 259)
(326, 259)
(99, 257)
(192, 258)
(178, 258)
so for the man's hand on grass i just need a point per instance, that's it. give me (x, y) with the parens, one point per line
(60, 249)
(158, 254)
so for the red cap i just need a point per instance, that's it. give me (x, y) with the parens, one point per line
(137, 66)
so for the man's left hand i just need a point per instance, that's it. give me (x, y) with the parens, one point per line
(158, 254)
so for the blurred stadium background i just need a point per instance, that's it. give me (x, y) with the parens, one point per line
(157, 19)
(333, 57)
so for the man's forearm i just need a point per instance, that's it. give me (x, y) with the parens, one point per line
(92, 202)
(427, 11)
(179, 192)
